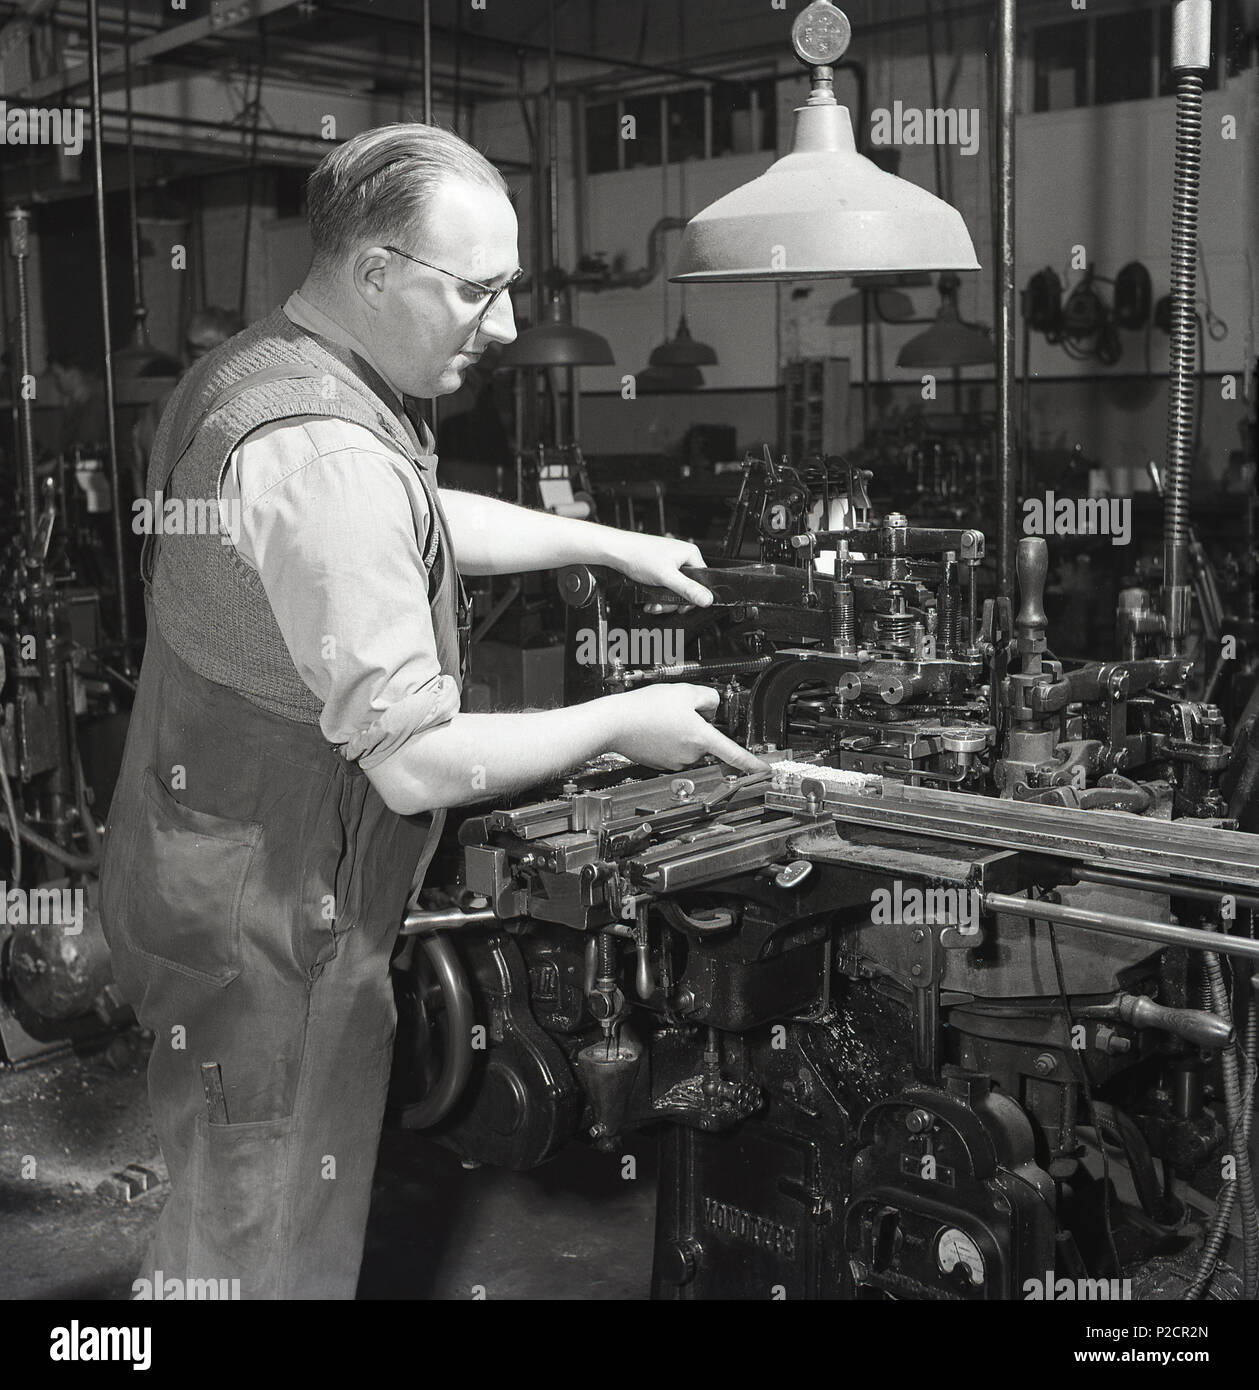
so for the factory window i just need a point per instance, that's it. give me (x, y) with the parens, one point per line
(1241, 37)
(603, 139)
(745, 117)
(1125, 55)
(640, 135)
(1125, 58)
(731, 117)
(687, 120)
(1060, 62)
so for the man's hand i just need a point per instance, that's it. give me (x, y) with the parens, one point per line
(666, 726)
(658, 561)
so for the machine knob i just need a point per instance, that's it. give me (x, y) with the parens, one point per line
(577, 585)
(1032, 566)
(19, 229)
(680, 1259)
(965, 740)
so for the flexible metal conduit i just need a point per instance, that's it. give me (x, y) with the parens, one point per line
(1191, 55)
(1239, 1108)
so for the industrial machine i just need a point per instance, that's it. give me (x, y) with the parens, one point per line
(952, 999)
(58, 679)
(955, 999)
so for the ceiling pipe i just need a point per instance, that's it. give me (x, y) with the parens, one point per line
(161, 41)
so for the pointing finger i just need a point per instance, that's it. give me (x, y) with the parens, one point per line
(730, 752)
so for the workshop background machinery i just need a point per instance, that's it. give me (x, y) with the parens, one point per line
(955, 1000)
(985, 924)
(58, 677)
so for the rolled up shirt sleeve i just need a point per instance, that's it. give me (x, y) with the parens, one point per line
(331, 521)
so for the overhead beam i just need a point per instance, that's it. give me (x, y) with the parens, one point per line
(222, 17)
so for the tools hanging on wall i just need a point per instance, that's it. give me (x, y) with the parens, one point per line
(1083, 323)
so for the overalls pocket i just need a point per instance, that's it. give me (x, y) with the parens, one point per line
(180, 906)
(240, 1174)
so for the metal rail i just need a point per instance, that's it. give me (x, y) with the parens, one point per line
(1105, 839)
(1106, 922)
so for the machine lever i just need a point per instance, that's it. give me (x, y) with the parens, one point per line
(1140, 1011)
(1032, 567)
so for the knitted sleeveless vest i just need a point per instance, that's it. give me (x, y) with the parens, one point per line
(209, 604)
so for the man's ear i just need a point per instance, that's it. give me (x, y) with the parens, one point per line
(370, 271)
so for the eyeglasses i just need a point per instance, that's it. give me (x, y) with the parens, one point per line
(492, 291)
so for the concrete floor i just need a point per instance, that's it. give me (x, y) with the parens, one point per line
(571, 1229)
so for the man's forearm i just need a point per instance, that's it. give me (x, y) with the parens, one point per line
(495, 537)
(478, 756)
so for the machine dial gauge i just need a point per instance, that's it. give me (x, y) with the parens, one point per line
(821, 33)
(957, 1248)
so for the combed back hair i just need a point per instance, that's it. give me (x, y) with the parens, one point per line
(379, 186)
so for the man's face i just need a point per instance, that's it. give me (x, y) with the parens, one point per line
(427, 327)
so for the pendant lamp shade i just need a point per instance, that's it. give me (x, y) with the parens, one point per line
(143, 373)
(948, 342)
(557, 343)
(823, 210)
(884, 306)
(683, 351)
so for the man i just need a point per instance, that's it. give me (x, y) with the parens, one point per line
(297, 734)
(81, 393)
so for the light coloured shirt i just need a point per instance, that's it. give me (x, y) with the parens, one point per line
(332, 517)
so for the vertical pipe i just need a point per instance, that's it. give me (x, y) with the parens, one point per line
(139, 333)
(1006, 459)
(865, 362)
(577, 119)
(102, 251)
(552, 143)
(19, 247)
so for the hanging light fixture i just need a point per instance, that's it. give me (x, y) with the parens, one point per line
(680, 351)
(823, 210)
(557, 341)
(683, 351)
(139, 360)
(948, 342)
